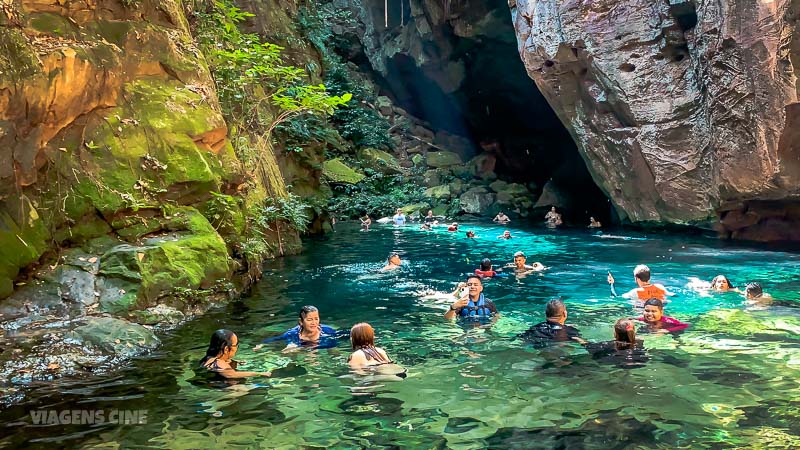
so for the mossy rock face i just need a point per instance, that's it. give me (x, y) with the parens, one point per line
(338, 172)
(379, 160)
(416, 209)
(23, 239)
(115, 336)
(443, 158)
(438, 192)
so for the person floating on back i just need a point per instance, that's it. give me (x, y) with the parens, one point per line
(474, 304)
(220, 353)
(645, 289)
(655, 319)
(554, 329)
(392, 262)
(501, 218)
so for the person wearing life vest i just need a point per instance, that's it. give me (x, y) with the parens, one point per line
(472, 305)
(486, 270)
(645, 289)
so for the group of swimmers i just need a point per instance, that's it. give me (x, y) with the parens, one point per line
(471, 304)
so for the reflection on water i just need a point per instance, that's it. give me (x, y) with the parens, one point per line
(729, 380)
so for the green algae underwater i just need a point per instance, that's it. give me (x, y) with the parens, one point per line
(730, 380)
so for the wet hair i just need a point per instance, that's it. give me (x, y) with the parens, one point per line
(221, 340)
(362, 335)
(391, 255)
(470, 233)
(486, 264)
(519, 254)
(753, 290)
(304, 311)
(625, 331)
(655, 302)
(721, 277)
(555, 308)
(642, 272)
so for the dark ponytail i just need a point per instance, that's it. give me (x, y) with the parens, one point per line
(221, 340)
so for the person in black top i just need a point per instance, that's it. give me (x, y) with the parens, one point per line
(554, 328)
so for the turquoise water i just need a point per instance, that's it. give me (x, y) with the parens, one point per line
(731, 380)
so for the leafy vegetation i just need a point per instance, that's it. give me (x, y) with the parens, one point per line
(377, 195)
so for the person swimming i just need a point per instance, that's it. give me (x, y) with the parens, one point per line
(645, 290)
(219, 356)
(367, 355)
(721, 283)
(470, 234)
(594, 223)
(453, 227)
(624, 351)
(399, 218)
(486, 271)
(554, 328)
(753, 292)
(308, 332)
(366, 221)
(501, 218)
(506, 235)
(520, 266)
(392, 262)
(655, 319)
(474, 304)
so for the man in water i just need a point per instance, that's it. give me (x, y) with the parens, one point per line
(645, 290)
(473, 304)
(501, 218)
(399, 218)
(506, 235)
(554, 329)
(552, 218)
(755, 294)
(366, 221)
(594, 223)
(430, 219)
(392, 262)
(521, 268)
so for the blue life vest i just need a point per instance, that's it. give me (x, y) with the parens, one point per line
(476, 309)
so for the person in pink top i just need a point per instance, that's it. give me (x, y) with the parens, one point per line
(655, 319)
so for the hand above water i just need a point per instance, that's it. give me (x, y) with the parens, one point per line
(610, 279)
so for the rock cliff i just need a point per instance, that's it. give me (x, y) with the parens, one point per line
(685, 111)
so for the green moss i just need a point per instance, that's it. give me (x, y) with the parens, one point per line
(23, 239)
(87, 227)
(337, 171)
(115, 31)
(18, 61)
(379, 160)
(53, 24)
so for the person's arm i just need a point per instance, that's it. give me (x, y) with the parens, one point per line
(231, 373)
(457, 293)
(455, 308)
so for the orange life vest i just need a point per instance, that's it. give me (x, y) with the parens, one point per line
(651, 291)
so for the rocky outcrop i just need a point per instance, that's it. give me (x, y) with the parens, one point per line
(685, 111)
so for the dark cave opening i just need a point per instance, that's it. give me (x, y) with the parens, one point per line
(500, 109)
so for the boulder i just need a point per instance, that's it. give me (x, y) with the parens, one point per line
(379, 161)
(416, 209)
(384, 105)
(336, 171)
(159, 315)
(482, 164)
(114, 336)
(418, 159)
(552, 196)
(443, 158)
(458, 144)
(672, 123)
(431, 178)
(498, 185)
(476, 201)
(456, 186)
(438, 192)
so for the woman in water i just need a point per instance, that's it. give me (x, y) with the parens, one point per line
(220, 353)
(308, 332)
(654, 316)
(624, 351)
(365, 354)
(720, 283)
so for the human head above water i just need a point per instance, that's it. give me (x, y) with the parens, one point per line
(475, 286)
(625, 331)
(470, 234)
(393, 258)
(753, 290)
(362, 335)
(486, 264)
(556, 310)
(653, 310)
(223, 344)
(308, 317)
(642, 273)
(721, 283)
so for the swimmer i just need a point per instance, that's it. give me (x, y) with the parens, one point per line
(625, 351)
(552, 218)
(220, 353)
(430, 219)
(624, 333)
(453, 227)
(554, 329)
(501, 218)
(366, 221)
(309, 332)
(392, 262)
(425, 226)
(486, 271)
(655, 319)
(721, 283)
(506, 235)
(365, 353)
(470, 234)
(754, 293)
(474, 304)
(645, 290)
(399, 218)
(521, 268)
(594, 223)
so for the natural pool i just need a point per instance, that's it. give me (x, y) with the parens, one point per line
(730, 380)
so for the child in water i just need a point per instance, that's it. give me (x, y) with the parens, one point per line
(655, 319)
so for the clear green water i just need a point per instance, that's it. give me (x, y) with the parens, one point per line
(731, 380)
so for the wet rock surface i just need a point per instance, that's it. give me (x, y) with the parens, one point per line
(682, 110)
